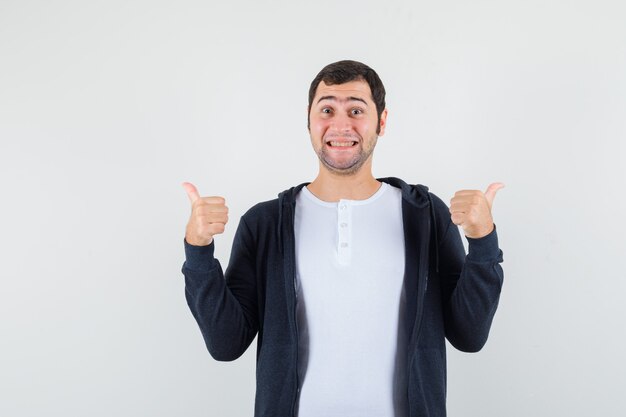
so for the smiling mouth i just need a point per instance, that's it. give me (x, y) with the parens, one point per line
(341, 144)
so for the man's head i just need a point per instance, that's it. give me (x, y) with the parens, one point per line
(341, 72)
(346, 114)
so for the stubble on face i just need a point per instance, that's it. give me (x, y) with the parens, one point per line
(348, 166)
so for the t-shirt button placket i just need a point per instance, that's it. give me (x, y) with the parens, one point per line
(343, 250)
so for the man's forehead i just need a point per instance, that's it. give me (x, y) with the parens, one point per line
(356, 88)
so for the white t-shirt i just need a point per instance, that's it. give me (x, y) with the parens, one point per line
(351, 306)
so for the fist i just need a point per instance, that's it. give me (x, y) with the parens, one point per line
(471, 209)
(209, 216)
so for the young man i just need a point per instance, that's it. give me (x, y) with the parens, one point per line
(351, 283)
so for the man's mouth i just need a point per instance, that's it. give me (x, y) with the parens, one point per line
(341, 144)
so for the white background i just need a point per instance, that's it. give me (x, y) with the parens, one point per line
(107, 106)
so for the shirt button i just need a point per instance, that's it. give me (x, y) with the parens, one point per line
(344, 245)
(343, 224)
(342, 207)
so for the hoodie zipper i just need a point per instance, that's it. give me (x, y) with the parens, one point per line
(422, 285)
(292, 266)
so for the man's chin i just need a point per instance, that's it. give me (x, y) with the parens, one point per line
(342, 169)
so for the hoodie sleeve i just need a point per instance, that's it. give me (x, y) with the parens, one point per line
(470, 284)
(224, 305)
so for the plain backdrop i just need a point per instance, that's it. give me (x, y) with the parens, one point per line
(106, 107)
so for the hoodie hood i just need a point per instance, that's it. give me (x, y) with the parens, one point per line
(418, 196)
(287, 201)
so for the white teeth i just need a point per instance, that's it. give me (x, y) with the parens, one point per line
(333, 143)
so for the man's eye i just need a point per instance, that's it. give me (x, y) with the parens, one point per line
(325, 110)
(357, 111)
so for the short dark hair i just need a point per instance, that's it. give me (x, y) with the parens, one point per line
(341, 72)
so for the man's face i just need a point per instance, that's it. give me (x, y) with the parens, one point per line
(343, 124)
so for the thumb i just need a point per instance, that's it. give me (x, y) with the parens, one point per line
(192, 192)
(490, 194)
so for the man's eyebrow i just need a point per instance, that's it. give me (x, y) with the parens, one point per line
(351, 98)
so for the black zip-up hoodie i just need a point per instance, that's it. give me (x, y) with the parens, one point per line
(449, 295)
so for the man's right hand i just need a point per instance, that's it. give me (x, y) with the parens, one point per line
(209, 216)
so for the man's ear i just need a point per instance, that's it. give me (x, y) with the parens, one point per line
(308, 117)
(383, 122)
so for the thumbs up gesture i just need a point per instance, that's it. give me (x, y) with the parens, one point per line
(209, 216)
(471, 209)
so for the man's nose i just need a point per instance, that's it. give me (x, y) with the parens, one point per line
(342, 122)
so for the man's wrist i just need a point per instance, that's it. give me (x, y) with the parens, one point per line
(485, 248)
(199, 258)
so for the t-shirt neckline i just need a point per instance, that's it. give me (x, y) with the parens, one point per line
(381, 190)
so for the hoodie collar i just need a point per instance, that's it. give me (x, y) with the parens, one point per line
(416, 195)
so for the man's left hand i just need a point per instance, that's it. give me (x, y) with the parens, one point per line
(471, 209)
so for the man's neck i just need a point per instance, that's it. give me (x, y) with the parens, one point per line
(332, 187)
